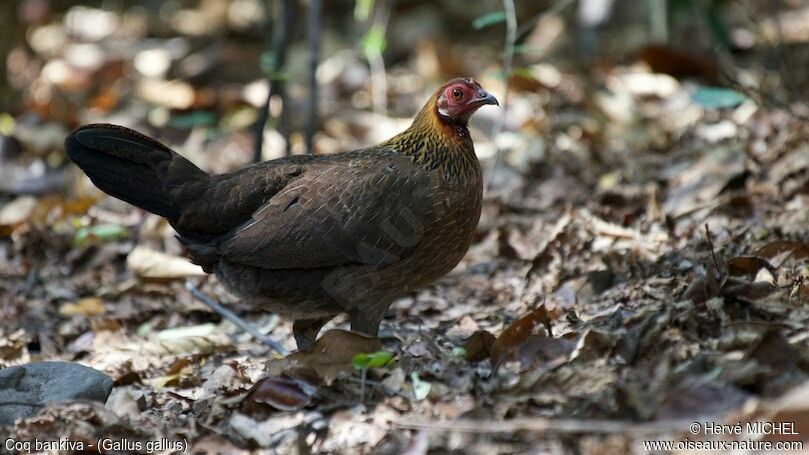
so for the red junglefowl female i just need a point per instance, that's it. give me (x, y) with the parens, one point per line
(310, 237)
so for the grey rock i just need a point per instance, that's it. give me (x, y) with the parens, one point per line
(39, 383)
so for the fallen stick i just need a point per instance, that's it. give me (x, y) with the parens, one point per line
(232, 317)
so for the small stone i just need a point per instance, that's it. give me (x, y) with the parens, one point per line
(40, 383)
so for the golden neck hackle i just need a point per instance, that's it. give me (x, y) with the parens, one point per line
(439, 143)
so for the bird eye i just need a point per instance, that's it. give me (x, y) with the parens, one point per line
(457, 94)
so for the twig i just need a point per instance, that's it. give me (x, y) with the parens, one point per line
(508, 58)
(540, 424)
(713, 250)
(313, 37)
(232, 317)
(280, 42)
(373, 53)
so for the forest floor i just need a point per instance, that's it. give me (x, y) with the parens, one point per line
(641, 264)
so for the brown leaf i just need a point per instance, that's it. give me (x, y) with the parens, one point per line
(739, 206)
(279, 392)
(55, 207)
(14, 348)
(541, 352)
(177, 375)
(597, 342)
(479, 346)
(333, 351)
(87, 306)
(695, 397)
(130, 377)
(747, 265)
(796, 250)
(679, 64)
(749, 291)
(535, 322)
(104, 101)
(106, 324)
(775, 351)
(704, 287)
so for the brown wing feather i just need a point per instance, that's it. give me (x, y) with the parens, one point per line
(337, 213)
(230, 199)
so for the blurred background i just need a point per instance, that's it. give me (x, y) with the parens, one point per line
(642, 154)
(206, 66)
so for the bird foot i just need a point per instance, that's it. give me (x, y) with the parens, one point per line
(306, 330)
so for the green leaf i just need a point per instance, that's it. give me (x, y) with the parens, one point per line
(103, 232)
(420, 388)
(374, 43)
(717, 97)
(190, 120)
(489, 19)
(366, 361)
(459, 351)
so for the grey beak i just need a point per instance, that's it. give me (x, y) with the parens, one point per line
(485, 97)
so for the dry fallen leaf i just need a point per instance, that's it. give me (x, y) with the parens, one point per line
(333, 352)
(535, 322)
(14, 348)
(479, 346)
(783, 249)
(699, 397)
(150, 264)
(747, 265)
(182, 368)
(290, 392)
(87, 306)
(16, 212)
(543, 353)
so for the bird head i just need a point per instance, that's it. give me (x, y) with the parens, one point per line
(459, 98)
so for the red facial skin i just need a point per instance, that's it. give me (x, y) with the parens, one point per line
(460, 98)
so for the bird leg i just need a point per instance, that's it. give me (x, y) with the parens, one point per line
(306, 330)
(366, 320)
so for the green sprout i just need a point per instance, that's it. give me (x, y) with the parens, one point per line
(365, 361)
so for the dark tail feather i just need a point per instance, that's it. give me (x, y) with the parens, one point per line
(136, 169)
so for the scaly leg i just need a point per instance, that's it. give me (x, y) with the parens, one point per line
(306, 330)
(367, 320)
